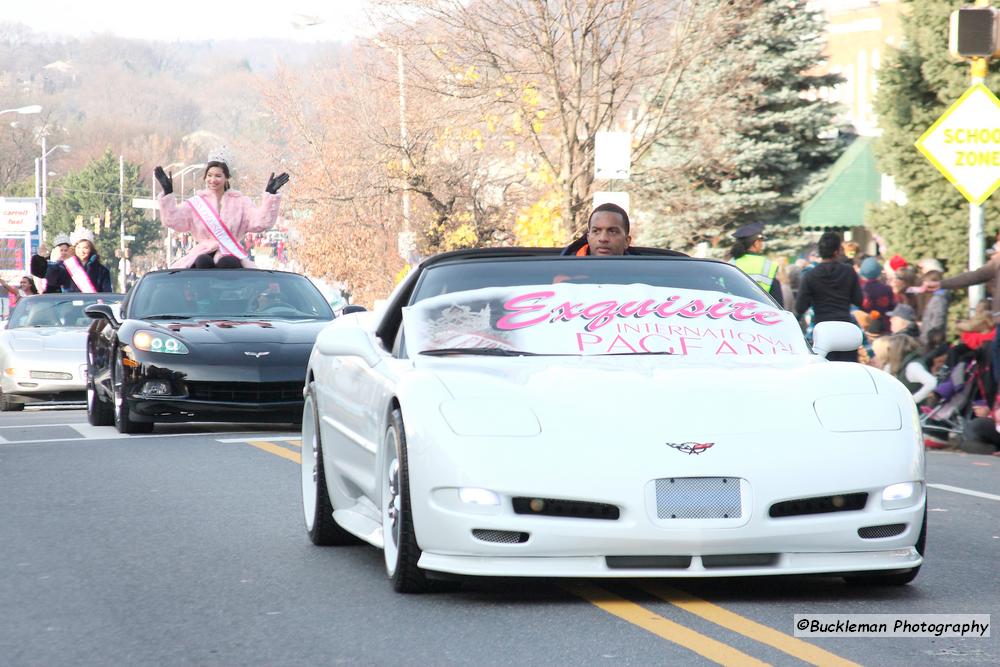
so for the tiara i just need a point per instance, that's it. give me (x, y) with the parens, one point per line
(220, 154)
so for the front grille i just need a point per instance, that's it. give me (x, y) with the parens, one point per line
(698, 498)
(245, 392)
(847, 502)
(50, 375)
(499, 536)
(739, 560)
(880, 532)
(571, 509)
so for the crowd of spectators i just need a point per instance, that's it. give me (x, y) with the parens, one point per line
(903, 310)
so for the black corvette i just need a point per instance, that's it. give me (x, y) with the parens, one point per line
(203, 345)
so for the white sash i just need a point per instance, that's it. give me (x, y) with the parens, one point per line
(210, 219)
(79, 275)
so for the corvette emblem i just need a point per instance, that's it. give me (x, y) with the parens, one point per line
(691, 447)
(257, 354)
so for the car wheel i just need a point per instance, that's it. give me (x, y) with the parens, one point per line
(322, 528)
(8, 405)
(123, 420)
(399, 537)
(99, 411)
(900, 578)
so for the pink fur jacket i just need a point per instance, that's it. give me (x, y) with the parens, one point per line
(238, 213)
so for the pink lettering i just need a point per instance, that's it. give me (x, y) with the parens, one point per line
(535, 302)
(619, 340)
(594, 339)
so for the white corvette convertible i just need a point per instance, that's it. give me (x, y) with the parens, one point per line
(512, 412)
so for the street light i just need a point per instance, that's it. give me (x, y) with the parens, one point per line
(45, 177)
(32, 108)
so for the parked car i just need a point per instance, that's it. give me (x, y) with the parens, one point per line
(43, 349)
(203, 345)
(516, 413)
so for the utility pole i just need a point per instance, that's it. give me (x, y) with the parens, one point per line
(977, 214)
(121, 222)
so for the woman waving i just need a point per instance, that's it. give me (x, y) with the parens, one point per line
(218, 217)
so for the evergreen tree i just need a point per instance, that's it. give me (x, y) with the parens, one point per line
(764, 150)
(917, 83)
(90, 193)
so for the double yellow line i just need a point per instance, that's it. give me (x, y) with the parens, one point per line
(674, 632)
(697, 642)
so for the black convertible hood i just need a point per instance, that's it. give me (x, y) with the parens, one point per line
(207, 332)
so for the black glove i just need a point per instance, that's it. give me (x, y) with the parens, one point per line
(165, 181)
(274, 183)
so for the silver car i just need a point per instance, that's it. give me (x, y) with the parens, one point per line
(43, 349)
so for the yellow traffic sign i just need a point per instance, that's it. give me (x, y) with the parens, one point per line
(964, 144)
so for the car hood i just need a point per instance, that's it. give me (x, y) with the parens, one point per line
(208, 332)
(47, 339)
(609, 393)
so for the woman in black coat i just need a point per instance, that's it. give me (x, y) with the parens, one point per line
(85, 256)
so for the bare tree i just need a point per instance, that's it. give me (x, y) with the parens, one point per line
(566, 68)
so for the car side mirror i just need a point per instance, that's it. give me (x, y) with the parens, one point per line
(836, 337)
(353, 308)
(102, 311)
(337, 341)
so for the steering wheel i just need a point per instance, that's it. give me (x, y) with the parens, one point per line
(279, 309)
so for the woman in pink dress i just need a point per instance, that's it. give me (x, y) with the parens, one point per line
(218, 217)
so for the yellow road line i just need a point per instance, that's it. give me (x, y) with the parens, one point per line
(271, 448)
(294, 443)
(629, 611)
(732, 621)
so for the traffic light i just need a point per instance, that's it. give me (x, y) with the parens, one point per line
(974, 33)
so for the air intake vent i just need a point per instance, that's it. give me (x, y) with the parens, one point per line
(499, 536)
(880, 532)
(740, 560)
(571, 509)
(847, 502)
(648, 562)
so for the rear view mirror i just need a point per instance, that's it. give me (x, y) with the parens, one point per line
(353, 308)
(337, 341)
(102, 311)
(836, 337)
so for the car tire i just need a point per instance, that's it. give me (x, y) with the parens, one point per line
(399, 537)
(122, 417)
(99, 411)
(322, 528)
(896, 578)
(8, 405)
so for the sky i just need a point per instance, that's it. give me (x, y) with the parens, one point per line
(184, 20)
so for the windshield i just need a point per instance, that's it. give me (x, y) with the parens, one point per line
(61, 311)
(227, 293)
(654, 271)
(600, 319)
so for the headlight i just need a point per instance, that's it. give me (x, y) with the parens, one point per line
(151, 341)
(898, 496)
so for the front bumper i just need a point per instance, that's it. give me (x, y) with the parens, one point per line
(183, 409)
(26, 387)
(596, 566)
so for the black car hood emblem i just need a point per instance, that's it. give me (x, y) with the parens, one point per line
(691, 447)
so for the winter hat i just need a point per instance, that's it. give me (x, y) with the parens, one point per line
(930, 264)
(896, 262)
(870, 268)
(81, 235)
(61, 239)
(905, 311)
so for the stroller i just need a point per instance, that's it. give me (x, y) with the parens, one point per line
(959, 384)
